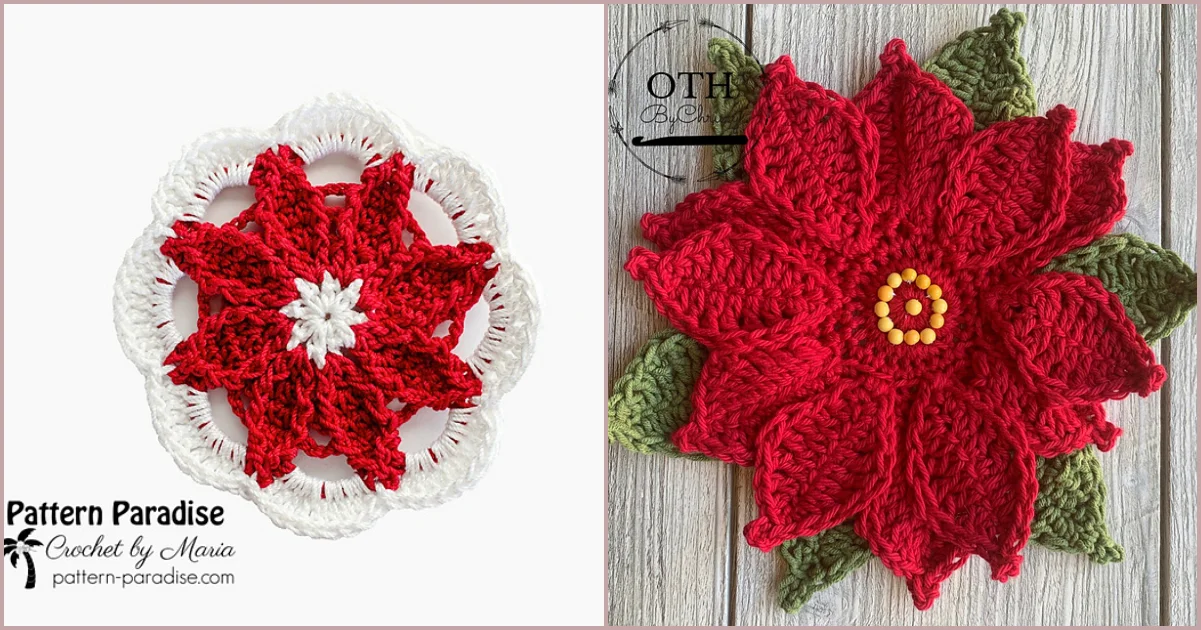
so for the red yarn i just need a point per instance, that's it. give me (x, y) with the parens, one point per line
(251, 264)
(929, 446)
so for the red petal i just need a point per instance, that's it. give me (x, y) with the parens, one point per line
(1096, 202)
(376, 216)
(353, 412)
(1008, 189)
(1052, 429)
(811, 154)
(964, 484)
(416, 370)
(706, 208)
(1071, 340)
(921, 125)
(233, 264)
(230, 348)
(823, 460)
(277, 412)
(735, 281)
(291, 212)
(741, 388)
(428, 285)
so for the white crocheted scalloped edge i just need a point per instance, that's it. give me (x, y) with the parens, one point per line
(181, 415)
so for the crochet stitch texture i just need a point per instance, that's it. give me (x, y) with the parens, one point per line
(301, 356)
(329, 322)
(931, 445)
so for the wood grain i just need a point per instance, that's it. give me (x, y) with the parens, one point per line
(669, 530)
(1181, 456)
(675, 556)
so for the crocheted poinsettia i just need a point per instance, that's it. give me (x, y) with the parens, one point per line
(328, 316)
(881, 346)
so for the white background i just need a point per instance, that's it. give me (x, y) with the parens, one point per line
(99, 100)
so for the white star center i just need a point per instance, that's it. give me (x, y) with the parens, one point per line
(324, 316)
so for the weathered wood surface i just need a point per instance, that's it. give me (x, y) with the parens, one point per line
(669, 519)
(1180, 589)
(676, 554)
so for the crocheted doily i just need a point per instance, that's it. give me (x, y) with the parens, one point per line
(883, 343)
(324, 323)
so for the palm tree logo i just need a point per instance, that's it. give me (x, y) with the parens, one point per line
(23, 545)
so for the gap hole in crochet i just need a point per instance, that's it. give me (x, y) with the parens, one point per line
(423, 429)
(335, 200)
(319, 437)
(185, 307)
(332, 468)
(336, 168)
(442, 330)
(224, 417)
(228, 204)
(252, 227)
(432, 218)
(475, 330)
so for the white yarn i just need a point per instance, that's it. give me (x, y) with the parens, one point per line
(182, 416)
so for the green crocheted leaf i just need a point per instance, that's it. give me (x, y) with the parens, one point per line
(732, 110)
(818, 562)
(1157, 288)
(1069, 513)
(986, 70)
(653, 397)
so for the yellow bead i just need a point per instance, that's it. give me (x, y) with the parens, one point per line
(885, 293)
(894, 280)
(934, 292)
(908, 275)
(895, 336)
(913, 307)
(936, 321)
(911, 337)
(927, 336)
(881, 309)
(885, 324)
(922, 281)
(939, 306)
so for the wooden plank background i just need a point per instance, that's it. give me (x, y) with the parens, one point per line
(676, 554)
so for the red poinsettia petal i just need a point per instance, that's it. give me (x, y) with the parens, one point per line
(741, 388)
(354, 413)
(705, 208)
(964, 483)
(414, 369)
(811, 154)
(1007, 190)
(225, 261)
(429, 284)
(1072, 341)
(822, 460)
(277, 410)
(734, 281)
(921, 125)
(1052, 429)
(376, 220)
(292, 213)
(233, 346)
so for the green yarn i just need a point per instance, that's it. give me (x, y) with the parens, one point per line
(1157, 288)
(986, 70)
(817, 562)
(653, 397)
(1069, 513)
(731, 114)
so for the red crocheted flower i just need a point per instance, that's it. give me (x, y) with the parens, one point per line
(316, 318)
(883, 346)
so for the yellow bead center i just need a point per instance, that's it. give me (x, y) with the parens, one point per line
(938, 307)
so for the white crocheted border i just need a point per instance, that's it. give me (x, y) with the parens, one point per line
(182, 415)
